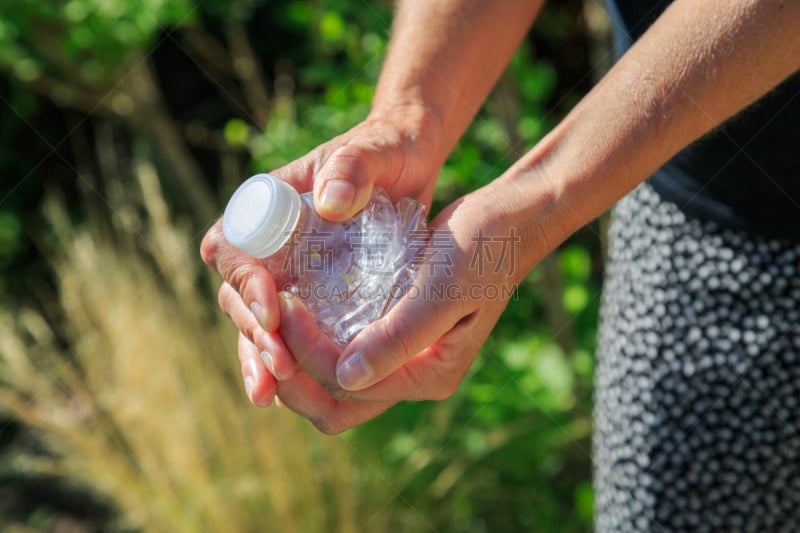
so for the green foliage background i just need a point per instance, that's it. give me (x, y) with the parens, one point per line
(214, 91)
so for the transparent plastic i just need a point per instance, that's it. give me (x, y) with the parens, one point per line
(348, 274)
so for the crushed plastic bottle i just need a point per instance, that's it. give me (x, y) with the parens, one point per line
(348, 274)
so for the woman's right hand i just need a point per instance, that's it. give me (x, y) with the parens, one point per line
(397, 150)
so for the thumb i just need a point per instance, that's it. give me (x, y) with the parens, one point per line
(344, 183)
(386, 345)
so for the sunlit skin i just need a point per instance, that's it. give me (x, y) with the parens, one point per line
(697, 65)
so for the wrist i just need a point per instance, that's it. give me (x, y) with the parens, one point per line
(534, 211)
(417, 124)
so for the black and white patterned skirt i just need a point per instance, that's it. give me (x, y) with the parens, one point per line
(697, 402)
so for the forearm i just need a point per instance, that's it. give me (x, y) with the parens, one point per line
(700, 63)
(445, 56)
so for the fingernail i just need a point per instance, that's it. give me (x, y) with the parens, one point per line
(268, 362)
(353, 372)
(248, 387)
(337, 196)
(258, 312)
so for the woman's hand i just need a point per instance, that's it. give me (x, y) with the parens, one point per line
(480, 249)
(443, 59)
(398, 151)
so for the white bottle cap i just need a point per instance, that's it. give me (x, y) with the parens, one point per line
(261, 215)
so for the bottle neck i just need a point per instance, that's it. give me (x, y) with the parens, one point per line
(305, 220)
(281, 264)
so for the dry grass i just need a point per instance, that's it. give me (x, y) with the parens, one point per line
(132, 382)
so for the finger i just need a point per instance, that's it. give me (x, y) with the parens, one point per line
(272, 350)
(300, 172)
(304, 396)
(418, 320)
(276, 355)
(232, 305)
(432, 374)
(345, 181)
(314, 352)
(245, 274)
(258, 383)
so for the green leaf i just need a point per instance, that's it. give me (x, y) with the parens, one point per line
(575, 298)
(538, 81)
(555, 375)
(299, 13)
(236, 132)
(26, 69)
(575, 263)
(584, 501)
(400, 446)
(76, 11)
(372, 44)
(490, 132)
(331, 27)
(583, 363)
(10, 233)
(517, 355)
(363, 92)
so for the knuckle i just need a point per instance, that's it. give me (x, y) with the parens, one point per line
(210, 245)
(356, 160)
(300, 172)
(448, 378)
(241, 277)
(237, 269)
(397, 165)
(351, 154)
(446, 390)
(249, 329)
(226, 297)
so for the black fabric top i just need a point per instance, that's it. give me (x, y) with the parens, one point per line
(745, 174)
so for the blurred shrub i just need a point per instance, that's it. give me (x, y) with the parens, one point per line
(131, 384)
(130, 378)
